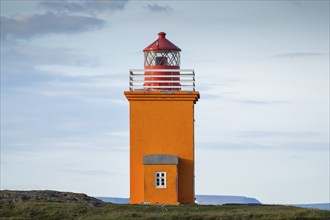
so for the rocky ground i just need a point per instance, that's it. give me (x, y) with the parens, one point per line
(49, 196)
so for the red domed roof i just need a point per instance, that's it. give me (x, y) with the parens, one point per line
(162, 44)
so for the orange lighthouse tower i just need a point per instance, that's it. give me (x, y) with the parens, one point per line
(161, 99)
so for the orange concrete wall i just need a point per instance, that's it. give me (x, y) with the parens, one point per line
(153, 195)
(162, 123)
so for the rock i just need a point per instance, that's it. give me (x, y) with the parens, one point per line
(49, 196)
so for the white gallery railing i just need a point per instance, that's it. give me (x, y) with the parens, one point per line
(162, 79)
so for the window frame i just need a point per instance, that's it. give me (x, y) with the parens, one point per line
(160, 179)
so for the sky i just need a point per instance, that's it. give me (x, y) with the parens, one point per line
(262, 70)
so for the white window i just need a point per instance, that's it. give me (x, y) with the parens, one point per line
(160, 180)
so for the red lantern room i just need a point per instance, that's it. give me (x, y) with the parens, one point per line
(160, 58)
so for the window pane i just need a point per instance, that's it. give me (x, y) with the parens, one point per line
(164, 58)
(160, 180)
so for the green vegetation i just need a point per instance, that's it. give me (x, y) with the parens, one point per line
(35, 209)
(57, 210)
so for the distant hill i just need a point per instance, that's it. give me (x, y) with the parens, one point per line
(221, 200)
(114, 200)
(201, 199)
(323, 206)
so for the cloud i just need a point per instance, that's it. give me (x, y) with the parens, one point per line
(305, 146)
(260, 134)
(87, 6)
(297, 3)
(90, 172)
(243, 145)
(159, 8)
(59, 18)
(297, 55)
(17, 57)
(49, 104)
(37, 55)
(231, 146)
(210, 96)
(38, 132)
(25, 27)
(260, 102)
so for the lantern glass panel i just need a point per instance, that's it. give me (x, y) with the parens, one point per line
(162, 58)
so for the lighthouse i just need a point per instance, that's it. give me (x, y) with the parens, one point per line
(161, 100)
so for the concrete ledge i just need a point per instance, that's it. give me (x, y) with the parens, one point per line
(160, 159)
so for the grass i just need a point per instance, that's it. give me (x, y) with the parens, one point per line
(65, 210)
